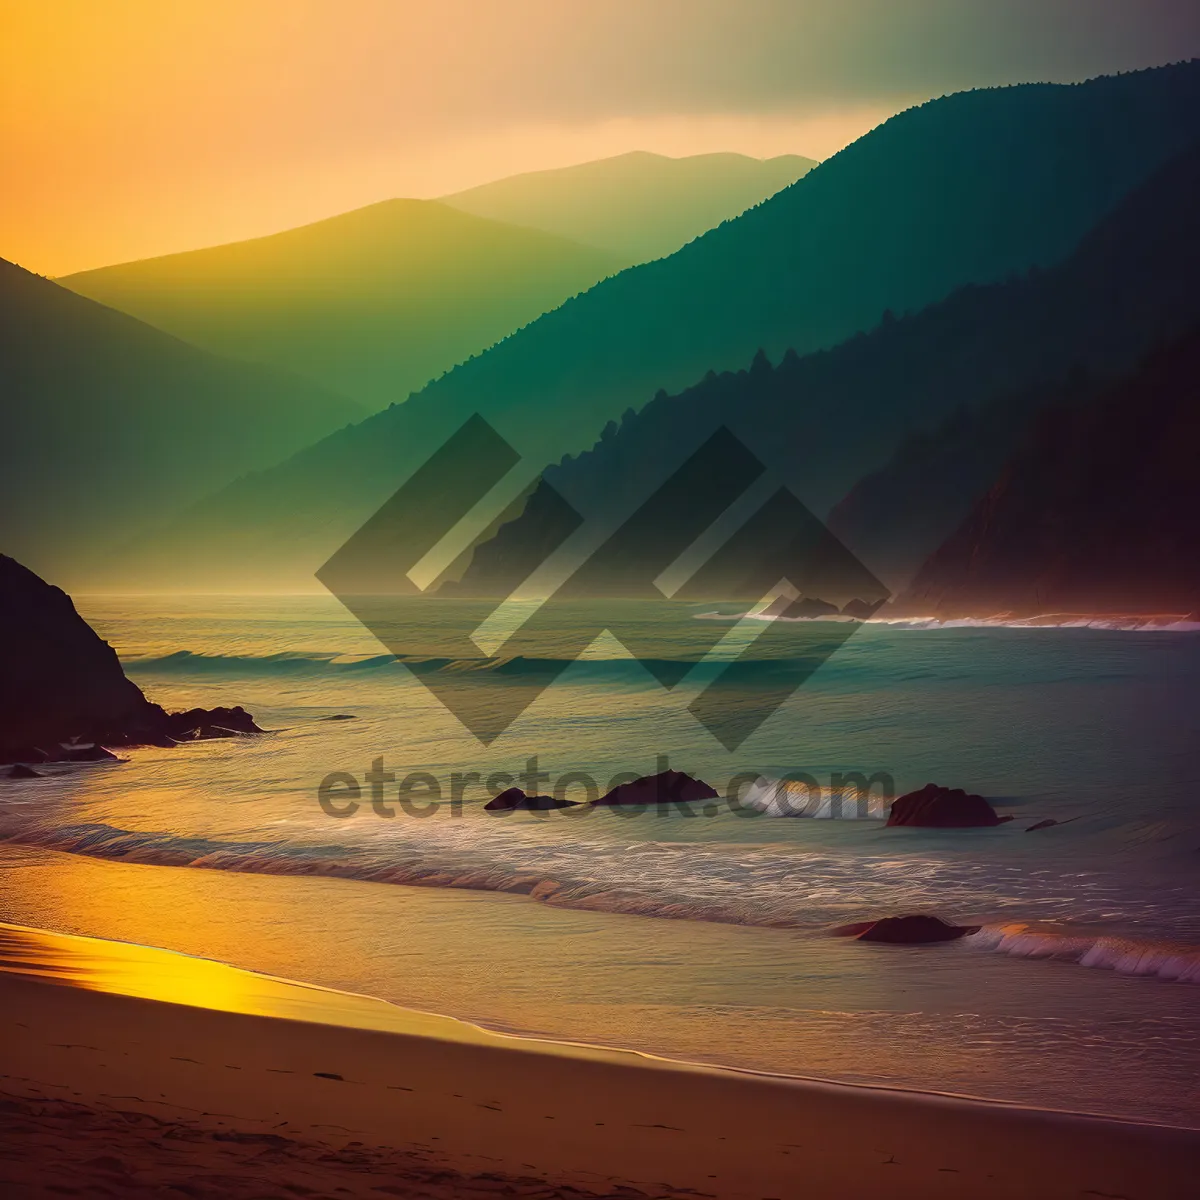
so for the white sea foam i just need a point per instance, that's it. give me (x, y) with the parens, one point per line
(1163, 623)
(1127, 956)
(798, 798)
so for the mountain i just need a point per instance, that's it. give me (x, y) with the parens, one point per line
(372, 304)
(638, 206)
(900, 431)
(975, 187)
(1094, 514)
(108, 425)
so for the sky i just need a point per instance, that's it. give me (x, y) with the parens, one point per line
(130, 128)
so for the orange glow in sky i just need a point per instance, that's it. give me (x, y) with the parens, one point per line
(135, 127)
(132, 127)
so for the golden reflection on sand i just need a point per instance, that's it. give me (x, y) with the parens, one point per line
(126, 969)
(166, 976)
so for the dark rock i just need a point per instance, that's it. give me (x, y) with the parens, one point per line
(906, 931)
(199, 723)
(514, 798)
(20, 771)
(936, 807)
(60, 680)
(62, 685)
(668, 787)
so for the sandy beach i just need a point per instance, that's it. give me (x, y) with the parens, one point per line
(261, 1087)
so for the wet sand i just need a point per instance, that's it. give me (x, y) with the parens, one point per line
(132, 1071)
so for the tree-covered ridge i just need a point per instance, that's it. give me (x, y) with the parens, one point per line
(914, 418)
(1093, 513)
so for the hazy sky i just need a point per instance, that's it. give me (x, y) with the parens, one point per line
(136, 127)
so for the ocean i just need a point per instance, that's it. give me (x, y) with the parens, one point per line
(699, 932)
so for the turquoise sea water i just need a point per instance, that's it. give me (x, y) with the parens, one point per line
(698, 932)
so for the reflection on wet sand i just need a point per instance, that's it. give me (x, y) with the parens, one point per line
(166, 976)
(125, 969)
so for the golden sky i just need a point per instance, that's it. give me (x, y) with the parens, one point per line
(136, 127)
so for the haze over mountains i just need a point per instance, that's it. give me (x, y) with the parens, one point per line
(974, 187)
(639, 206)
(377, 302)
(372, 304)
(107, 424)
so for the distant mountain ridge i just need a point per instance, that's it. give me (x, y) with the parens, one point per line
(639, 206)
(971, 188)
(109, 426)
(372, 303)
(377, 302)
(1095, 512)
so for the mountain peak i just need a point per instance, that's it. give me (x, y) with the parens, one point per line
(640, 205)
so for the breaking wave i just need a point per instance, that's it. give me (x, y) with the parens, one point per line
(1167, 623)
(1172, 961)
(187, 663)
(791, 798)
(1164, 623)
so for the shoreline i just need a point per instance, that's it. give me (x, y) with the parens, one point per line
(820, 1008)
(429, 1095)
(1168, 958)
(351, 1008)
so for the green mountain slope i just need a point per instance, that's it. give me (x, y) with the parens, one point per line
(373, 303)
(108, 426)
(639, 206)
(973, 187)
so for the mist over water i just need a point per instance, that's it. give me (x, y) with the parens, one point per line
(1091, 727)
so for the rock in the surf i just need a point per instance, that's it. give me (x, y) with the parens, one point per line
(514, 798)
(936, 807)
(667, 787)
(199, 723)
(915, 930)
(63, 694)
